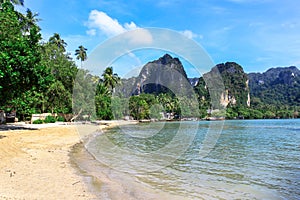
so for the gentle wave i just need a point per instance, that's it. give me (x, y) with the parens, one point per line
(254, 159)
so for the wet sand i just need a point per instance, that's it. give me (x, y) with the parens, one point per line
(108, 183)
(50, 162)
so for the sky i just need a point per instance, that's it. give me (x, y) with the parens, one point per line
(257, 34)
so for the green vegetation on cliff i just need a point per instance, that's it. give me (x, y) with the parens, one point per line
(37, 77)
(239, 97)
(277, 86)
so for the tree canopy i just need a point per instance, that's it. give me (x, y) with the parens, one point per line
(81, 54)
(20, 57)
(37, 77)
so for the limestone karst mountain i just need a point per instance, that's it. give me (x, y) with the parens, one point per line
(280, 86)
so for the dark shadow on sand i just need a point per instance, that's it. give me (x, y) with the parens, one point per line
(11, 127)
(2, 136)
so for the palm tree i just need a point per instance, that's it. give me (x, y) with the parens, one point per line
(56, 40)
(16, 2)
(32, 17)
(101, 90)
(30, 20)
(81, 54)
(110, 79)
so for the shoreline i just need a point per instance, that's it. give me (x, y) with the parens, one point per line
(40, 163)
(112, 184)
(106, 182)
(36, 161)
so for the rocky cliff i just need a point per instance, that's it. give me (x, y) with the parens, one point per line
(279, 86)
(165, 75)
(235, 90)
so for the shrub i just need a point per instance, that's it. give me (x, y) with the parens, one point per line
(38, 121)
(50, 119)
(60, 119)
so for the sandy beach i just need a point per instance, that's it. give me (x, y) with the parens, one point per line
(35, 164)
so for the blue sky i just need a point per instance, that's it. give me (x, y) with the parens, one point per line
(257, 34)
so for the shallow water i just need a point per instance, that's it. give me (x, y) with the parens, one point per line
(248, 159)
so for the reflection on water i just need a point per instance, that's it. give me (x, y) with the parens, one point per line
(258, 159)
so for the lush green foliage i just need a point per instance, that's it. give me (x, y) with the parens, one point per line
(20, 56)
(35, 77)
(17, 2)
(60, 119)
(139, 106)
(80, 54)
(38, 77)
(50, 119)
(110, 79)
(38, 121)
(268, 112)
(273, 94)
(107, 106)
(277, 86)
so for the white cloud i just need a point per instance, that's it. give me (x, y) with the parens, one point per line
(107, 25)
(91, 32)
(100, 21)
(139, 37)
(189, 34)
(130, 26)
(104, 23)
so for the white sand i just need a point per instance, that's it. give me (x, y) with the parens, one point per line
(34, 164)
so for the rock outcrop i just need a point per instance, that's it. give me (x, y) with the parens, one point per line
(165, 75)
(235, 90)
(279, 86)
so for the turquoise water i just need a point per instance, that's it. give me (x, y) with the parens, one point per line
(248, 159)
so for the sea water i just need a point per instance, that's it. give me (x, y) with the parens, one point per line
(239, 159)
